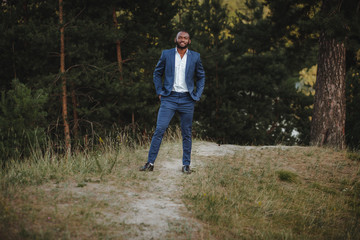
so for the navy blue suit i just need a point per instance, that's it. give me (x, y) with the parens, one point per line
(181, 102)
(166, 66)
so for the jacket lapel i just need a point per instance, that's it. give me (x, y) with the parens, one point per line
(172, 61)
(188, 62)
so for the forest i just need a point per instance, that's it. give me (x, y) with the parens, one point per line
(277, 71)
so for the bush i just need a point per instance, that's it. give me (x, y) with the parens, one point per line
(21, 119)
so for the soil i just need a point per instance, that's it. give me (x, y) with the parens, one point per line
(156, 211)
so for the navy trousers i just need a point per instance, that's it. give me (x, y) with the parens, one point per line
(184, 105)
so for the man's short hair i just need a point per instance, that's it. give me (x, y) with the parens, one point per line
(182, 31)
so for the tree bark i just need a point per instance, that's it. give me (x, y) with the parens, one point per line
(63, 81)
(120, 64)
(75, 114)
(328, 120)
(118, 47)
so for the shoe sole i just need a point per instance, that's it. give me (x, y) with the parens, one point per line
(146, 170)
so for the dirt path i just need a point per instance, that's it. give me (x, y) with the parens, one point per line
(158, 212)
(140, 205)
(126, 204)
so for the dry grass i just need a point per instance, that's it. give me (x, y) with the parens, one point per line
(274, 193)
(78, 198)
(85, 196)
(263, 193)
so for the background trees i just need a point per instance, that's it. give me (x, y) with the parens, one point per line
(335, 24)
(252, 56)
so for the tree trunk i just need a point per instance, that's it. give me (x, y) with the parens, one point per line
(63, 80)
(328, 121)
(120, 64)
(133, 122)
(118, 47)
(75, 114)
(217, 108)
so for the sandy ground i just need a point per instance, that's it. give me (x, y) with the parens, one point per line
(157, 211)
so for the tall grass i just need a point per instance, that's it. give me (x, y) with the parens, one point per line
(265, 193)
(301, 193)
(34, 191)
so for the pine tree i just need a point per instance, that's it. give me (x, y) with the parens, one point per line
(207, 24)
(267, 100)
(333, 23)
(63, 81)
(98, 100)
(22, 117)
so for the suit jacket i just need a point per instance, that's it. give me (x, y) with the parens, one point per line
(194, 72)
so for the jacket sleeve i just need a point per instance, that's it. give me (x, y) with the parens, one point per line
(158, 73)
(200, 78)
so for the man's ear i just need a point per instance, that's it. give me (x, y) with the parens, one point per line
(174, 40)
(189, 41)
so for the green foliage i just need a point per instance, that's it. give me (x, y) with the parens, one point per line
(353, 108)
(299, 23)
(286, 176)
(250, 95)
(355, 156)
(252, 52)
(21, 121)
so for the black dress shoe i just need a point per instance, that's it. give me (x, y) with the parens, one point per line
(147, 167)
(186, 169)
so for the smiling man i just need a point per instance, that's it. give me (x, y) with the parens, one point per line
(181, 68)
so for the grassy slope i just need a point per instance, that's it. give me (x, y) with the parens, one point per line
(269, 193)
(263, 193)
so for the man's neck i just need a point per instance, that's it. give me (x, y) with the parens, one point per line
(181, 51)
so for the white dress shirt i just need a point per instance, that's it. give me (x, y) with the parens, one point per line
(180, 67)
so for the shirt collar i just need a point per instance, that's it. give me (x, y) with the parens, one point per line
(187, 50)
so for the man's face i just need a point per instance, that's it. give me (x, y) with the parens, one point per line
(182, 40)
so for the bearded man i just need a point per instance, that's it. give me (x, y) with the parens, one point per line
(181, 88)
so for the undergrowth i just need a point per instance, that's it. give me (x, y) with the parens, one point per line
(42, 198)
(261, 193)
(295, 193)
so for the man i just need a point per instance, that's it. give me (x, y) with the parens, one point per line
(180, 67)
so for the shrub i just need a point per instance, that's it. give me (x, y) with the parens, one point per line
(21, 117)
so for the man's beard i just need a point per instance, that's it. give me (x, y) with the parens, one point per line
(181, 47)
